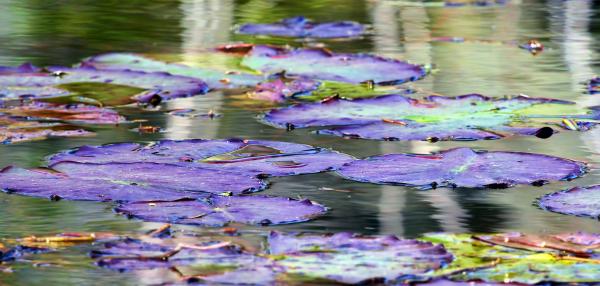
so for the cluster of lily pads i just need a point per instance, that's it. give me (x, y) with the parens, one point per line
(233, 257)
(211, 183)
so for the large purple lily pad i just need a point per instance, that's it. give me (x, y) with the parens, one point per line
(578, 201)
(352, 259)
(247, 156)
(31, 82)
(214, 78)
(467, 117)
(463, 167)
(221, 210)
(303, 28)
(124, 182)
(322, 64)
(594, 85)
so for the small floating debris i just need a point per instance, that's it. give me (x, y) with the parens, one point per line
(302, 27)
(533, 46)
(594, 86)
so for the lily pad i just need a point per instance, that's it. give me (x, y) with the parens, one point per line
(221, 210)
(301, 27)
(463, 167)
(321, 64)
(214, 78)
(578, 244)
(77, 113)
(578, 201)
(44, 83)
(16, 131)
(594, 86)
(279, 90)
(328, 90)
(479, 261)
(353, 259)
(135, 254)
(467, 117)
(123, 182)
(247, 156)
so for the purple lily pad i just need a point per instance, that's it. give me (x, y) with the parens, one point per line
(463, 167)
(123, 182)
(221, 210)
(134, 254)
(302, 27)
(578, 201)
(580, 237)
(353, 259)
(43, 83)
(15, 131)
(70, 113)
(467, 117)
(480, 3)
(322, 64)
(214, 78)
(278, 90)
(594, 86)
(246, 156)
(19, 251)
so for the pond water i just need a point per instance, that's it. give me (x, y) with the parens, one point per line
(63, 32)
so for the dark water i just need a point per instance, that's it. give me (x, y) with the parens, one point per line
(62, 32)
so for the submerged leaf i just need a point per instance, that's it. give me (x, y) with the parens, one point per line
(214, 78)
(246, 156)
(302, 27)
(467, 117)
(215, 211)
(463, 167)
(322, 64)
(578, 201)
(51, 81)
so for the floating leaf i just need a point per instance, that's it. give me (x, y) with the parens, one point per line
(43, 83)
(134, 254)
(123, 182)
(577, 244)
(322, 64)
(70, 113)
(214, 78)
(328, 90)
(221, 210)
(14, 131)
(481, 3)
(247, 156)
(67, 239)
(19, 252)
(304, 28)
(578, 201)
(463, 167)
(594, 86)
(95, 93)
(467, 117)
(278, 90)
(479, 261)
(352, 259)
